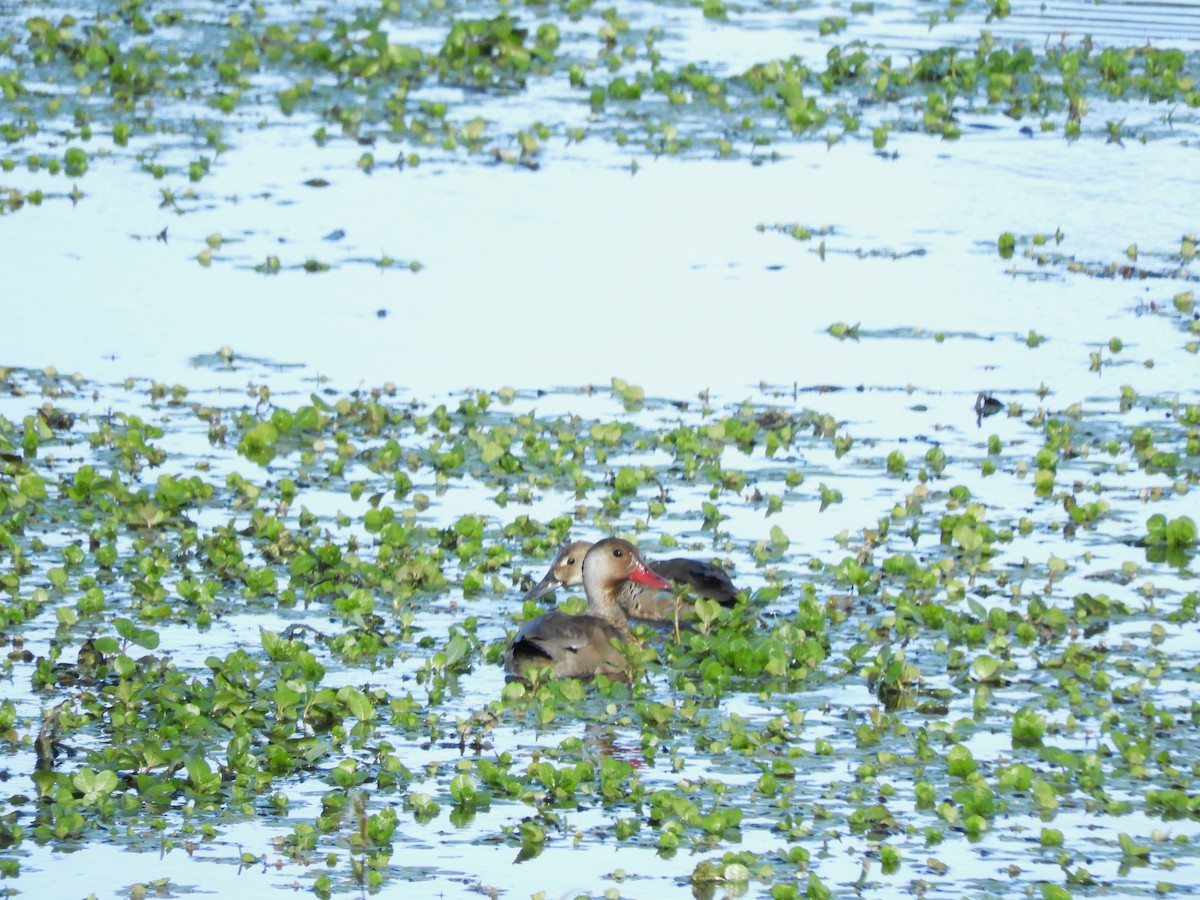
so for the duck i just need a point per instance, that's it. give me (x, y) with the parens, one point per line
(636, 599)
(589, 644)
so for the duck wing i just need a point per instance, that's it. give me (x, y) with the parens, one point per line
(575, 646)
(703, 578)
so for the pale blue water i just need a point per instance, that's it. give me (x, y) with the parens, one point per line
(585, 270)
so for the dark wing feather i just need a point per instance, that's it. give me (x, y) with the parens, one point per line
(703, 578)
(576, 646)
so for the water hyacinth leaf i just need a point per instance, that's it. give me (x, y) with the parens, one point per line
(94, 785)
(1017, 777)
(736, 873)
(842, 331)
(302, 564)
(201, 775)
(779, 540)
(829, 496)
(1181, 532)
(306, 421)
(1131, 848)
(258, 443)
(31, 486)
(1176, 533)
(457, 652)
(707, 611)
(146, 638)
(463, 789)
(960, 762)
(1044, 795)
(975, 825)
(357, 703)
(985, 668)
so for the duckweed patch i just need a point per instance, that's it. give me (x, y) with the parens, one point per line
(266, 627)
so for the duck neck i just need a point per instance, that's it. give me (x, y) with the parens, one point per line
(630, 591)
(603, 604)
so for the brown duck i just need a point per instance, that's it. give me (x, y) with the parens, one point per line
(589, 644)
(636, 598)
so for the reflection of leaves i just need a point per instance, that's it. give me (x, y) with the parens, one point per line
(533, 840)
(529, 851)
(1172, 556)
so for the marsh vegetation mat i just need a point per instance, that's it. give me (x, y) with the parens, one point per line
(258, 636)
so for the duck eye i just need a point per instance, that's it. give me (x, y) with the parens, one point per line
(570, 560)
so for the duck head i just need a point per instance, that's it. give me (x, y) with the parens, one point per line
(565, 571)
(607, 565)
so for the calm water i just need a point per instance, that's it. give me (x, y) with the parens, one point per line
(585, 270)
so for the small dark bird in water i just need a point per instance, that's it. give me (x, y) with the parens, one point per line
(986, 405)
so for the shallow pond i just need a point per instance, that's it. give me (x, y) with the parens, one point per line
(323, 330)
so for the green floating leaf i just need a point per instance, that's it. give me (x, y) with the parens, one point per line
(841, 331)
(779, 540)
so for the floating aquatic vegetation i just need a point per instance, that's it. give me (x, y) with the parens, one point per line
(246, 605)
